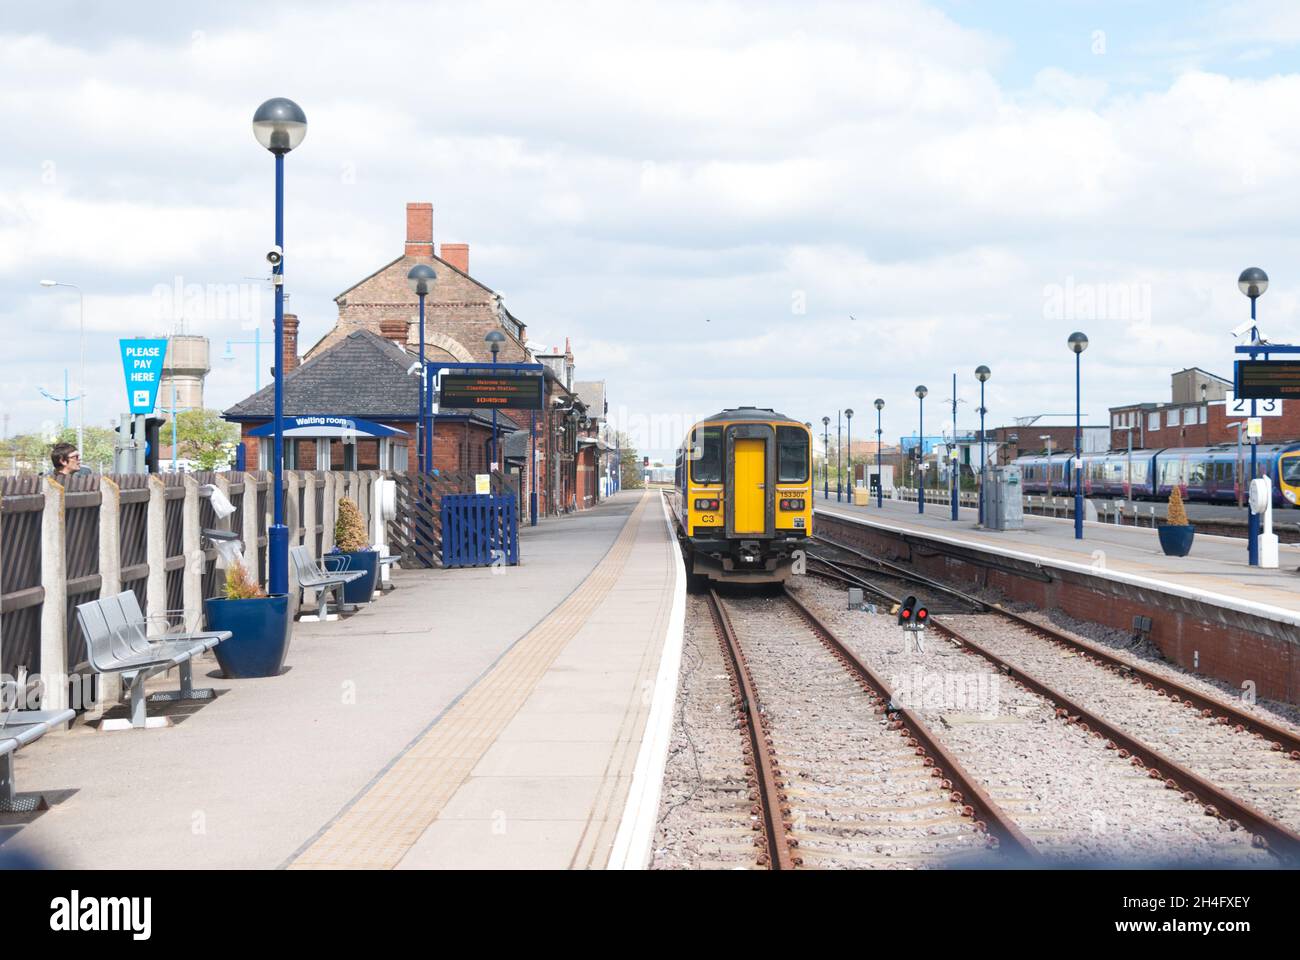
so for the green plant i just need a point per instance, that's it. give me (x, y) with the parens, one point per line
(350, 529)
(240, 584)
(204, 437)
(1177, 513)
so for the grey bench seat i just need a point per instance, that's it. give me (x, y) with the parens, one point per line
(18, 728)
(118, 642)
(320, 577)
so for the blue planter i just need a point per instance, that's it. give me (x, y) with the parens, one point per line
(362, 589)
(1176, 541)
(260, 628)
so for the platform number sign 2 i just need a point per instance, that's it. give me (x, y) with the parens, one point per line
(1241, 407)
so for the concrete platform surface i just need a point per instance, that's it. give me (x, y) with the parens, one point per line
(1216, 568)
(277, 772)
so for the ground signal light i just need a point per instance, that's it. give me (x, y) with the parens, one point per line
(912, 614)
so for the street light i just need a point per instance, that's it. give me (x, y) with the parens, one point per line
(1078, 343)
(494, 339)
(421, 279)
(982, 374)
(826, 458)
(1253, 282)
(257, 341)
(880, 479)
(848, 415)
(279, 125)
(920, 452)
(81, 381)
(839, 443)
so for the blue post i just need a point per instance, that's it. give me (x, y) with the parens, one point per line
(422, 428)
(1253, 520)
(67, 398)
(953, 463)
(826, 458)
(277, 537)
(848, 486)
(532, 459)
(493, 446)
(983, 456)
(839, 480)
(920, 458)
(880, 477)
(1078, 449)
(173, 417)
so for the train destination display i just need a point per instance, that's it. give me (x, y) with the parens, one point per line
(503, 391)
(1267, 379)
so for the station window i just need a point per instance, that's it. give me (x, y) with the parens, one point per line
(1153, 421)
(791, 455)
(706, 455)
(1171, 417)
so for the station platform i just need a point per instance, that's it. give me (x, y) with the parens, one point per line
(501, 717)
(1216, 569)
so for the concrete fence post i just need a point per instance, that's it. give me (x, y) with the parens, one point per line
(329, 515)
(363, 502)
(110, 567)
(249, 532)
(156, 554)
(54, 608)
(195, 561)
(309, 526)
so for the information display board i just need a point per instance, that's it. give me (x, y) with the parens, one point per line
(1267, 379)
(503, 391)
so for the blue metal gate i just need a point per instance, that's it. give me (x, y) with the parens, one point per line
(479, 530)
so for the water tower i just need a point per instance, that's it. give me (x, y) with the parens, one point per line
(187, 362)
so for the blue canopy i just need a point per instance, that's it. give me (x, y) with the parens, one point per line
(325, 425)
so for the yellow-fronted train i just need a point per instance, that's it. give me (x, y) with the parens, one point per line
(742, 498)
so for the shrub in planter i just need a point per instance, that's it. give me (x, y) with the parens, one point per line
(260, 626)
(350, 541)
(1176, 534)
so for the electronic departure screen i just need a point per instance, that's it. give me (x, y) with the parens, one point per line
(1267, 379)
(503, 391)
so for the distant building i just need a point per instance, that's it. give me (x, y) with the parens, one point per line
(1195, 416)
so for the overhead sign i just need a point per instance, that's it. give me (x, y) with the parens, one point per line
(503, 391)
(324, 425)
(142, 364)
(1240, 407)
(1267, 379)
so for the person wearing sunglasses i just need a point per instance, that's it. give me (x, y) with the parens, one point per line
(67, 460)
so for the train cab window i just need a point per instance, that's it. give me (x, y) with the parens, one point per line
(706, 455)
(1291, 470)
(791, 455)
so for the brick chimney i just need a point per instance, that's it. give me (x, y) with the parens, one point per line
(568, 364)
(419, 230)
(290, 342)
(457, 254)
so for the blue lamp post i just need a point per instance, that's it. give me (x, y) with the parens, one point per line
(880, 477)
(257, 341)
(421, 279)
(1078, 343)
(279, 125)
(494, 339)
(826, 458)
(920, 453)
(982, 374)
(1253, 282)
(839, 443)
(848, 429)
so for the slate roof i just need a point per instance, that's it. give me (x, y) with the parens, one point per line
(592, 395)
(363, 375)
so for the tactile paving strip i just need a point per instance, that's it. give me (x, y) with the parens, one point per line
(378, 829)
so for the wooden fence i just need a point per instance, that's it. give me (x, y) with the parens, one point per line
(65, 544)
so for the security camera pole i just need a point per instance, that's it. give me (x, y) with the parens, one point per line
(279, 125)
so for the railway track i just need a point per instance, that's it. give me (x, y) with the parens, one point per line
(841, 775)
(1205, 763)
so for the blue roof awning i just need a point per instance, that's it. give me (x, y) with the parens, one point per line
(325, 425)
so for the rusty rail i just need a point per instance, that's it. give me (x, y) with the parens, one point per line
(767, 782)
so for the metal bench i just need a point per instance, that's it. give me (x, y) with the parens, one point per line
(117, 641)
(386, 561)
(18, 728)
(319, 577)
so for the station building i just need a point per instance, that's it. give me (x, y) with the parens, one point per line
(1196, 415)
(354, 403)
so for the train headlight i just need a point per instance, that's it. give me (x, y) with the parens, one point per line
(708, 504)
(1290, 496)
(792, 504)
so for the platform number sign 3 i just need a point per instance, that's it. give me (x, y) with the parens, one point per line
(1241, 408)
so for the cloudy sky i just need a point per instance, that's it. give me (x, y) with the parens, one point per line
(799, 205)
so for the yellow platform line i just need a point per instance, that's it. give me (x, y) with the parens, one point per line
(381, 825)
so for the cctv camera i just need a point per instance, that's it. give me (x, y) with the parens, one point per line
(274, 256)
(1243, 329)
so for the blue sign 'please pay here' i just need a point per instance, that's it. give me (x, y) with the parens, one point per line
(142, 363)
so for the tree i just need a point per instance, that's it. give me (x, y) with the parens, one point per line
(32, 450)
(204, 437)
(631, 476)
